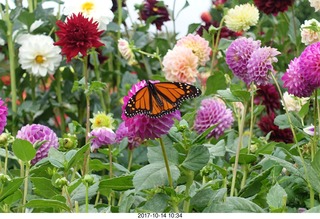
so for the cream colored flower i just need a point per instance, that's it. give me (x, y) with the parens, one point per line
(310, 32)
(38, 56)
(102, 119)
(293, 103)
(242, 17)
(180, 64)
(125, 51)
(99, 10)
(315, 4)
(200, 47)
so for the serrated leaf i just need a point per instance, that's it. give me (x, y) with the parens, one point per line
(277, 198)
(154, 175)
(23, 150)
(77, 156)
(43, 187)
(118, 183)
(47, 203)
(197, 158)
(157, 203)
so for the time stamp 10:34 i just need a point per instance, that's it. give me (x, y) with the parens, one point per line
(159, 215)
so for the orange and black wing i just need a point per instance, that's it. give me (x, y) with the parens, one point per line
(140, 103)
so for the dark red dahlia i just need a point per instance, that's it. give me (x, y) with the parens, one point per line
(154, 8)
(273, 6)
(78, 35)
(266, 124)
(115, 5)
(268, 96)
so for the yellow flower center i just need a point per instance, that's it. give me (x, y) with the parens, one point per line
(155, 9)
(40, 59)
(87, 7)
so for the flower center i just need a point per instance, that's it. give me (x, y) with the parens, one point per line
(155, 9)
(87, 7)
(40, 59)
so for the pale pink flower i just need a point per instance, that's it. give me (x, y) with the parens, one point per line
(310, 32)
(200, 47)
(180, 64)
(125, 51)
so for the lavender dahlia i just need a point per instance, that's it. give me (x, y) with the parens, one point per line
(37, 133)
(102, 136)
(213, 112)
(3, 115)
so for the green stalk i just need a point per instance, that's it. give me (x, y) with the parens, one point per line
(25, 189)
(59, 98)
(296, 142)
(190, 176)
(6, 159)
(30, 6)
(119, 2)
(87, 197)
(215, 44)
(130, 159)
(165, 157)
(315, 117)
(110, 161)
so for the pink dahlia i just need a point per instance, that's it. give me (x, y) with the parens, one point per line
(260, 63)
(213, 112)
(268, 96)
(238, 54)
(309, 64)
(198, 45)
(102, 137)
(273, 6)
(295, 81)
(180, 64)
(141, 127)
(37, 133)
(122, 132)
(3, 115)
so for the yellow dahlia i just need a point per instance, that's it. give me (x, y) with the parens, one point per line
(102, 119)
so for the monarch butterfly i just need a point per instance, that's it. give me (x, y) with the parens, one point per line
(160, 98)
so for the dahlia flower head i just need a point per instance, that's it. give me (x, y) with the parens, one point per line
(293, 103)
(3, 115)
(242, 17)
(198, 45)
(126, 51)
(38, 55)
(273, 6)
(315, 4)
(180, 64)
(142, 127)
(154, 8)
(98, 10)
(213, 111)
(37, 133)
(268, 96)
(310, 32)
(101, 119)
(102, 136)
(294, 80)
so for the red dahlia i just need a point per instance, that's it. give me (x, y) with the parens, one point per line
(273, 6)
(157, 9)
(268, 96)
(78, 35)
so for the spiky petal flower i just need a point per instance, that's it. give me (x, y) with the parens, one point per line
(213, 112)
(238, 54)
(266, 124)
(242, 17)
(141, 127)
(180, 64)
(3, 115)
(102, 137)
(294, 80)
(310, 32)
(260, 63)
(98, 10)
(38, 56)
(157, 9)
(273, 6)
(198, 45)
(78, 35)
(315, 4)
(268, 96)
(101, 119)
(37, 133)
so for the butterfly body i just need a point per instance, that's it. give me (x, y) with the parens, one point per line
(160, 98)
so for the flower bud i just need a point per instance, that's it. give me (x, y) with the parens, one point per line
(88, 179)
(4, 178)
(61, 182)
(4, 138)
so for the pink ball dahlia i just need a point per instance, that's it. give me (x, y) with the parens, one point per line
(37, 133)
(295, 81)
(3, 115)
(211, 112)
(238, 54)
(102, 137)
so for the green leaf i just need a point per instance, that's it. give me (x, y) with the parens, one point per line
(27, 18)
(78, 156)
(227, 95)
(78, 191)
(47, 203)
(11, 155)
(203, 136)
(23, 150)
(56, 158)
(217, 150)
(43, 187)
(193, 27)
(244, 158)
(118, 183)
(243, 205)
(277, 198)
(304, 110)
(283, 122)
(205, 197)
(154, 175)
(11, 188)
(157, 203)
(197, 158)
(216, 82)
(314, 210)
(289, 166)
(96, 86)
(316, 162)
(155, 154)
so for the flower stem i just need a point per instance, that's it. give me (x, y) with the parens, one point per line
(110, 161)
(59, 97)
(5, 160)
(119, 3)
(25, 189)
(130, 159)
(165, 157)
(315, 117)
(190, 176)
(215, 42)
(87, 197)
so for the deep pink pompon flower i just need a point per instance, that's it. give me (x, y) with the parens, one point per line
(238, 55)
(213, 112)
(37, 133)
(102, 137)
(3, 115)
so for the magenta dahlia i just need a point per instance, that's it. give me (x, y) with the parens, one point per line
(37, 133)
(238, 55)
(3, 115)
(213, 112)
(273, 6)
(157, 9)
(102, 136)
(268, 96)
